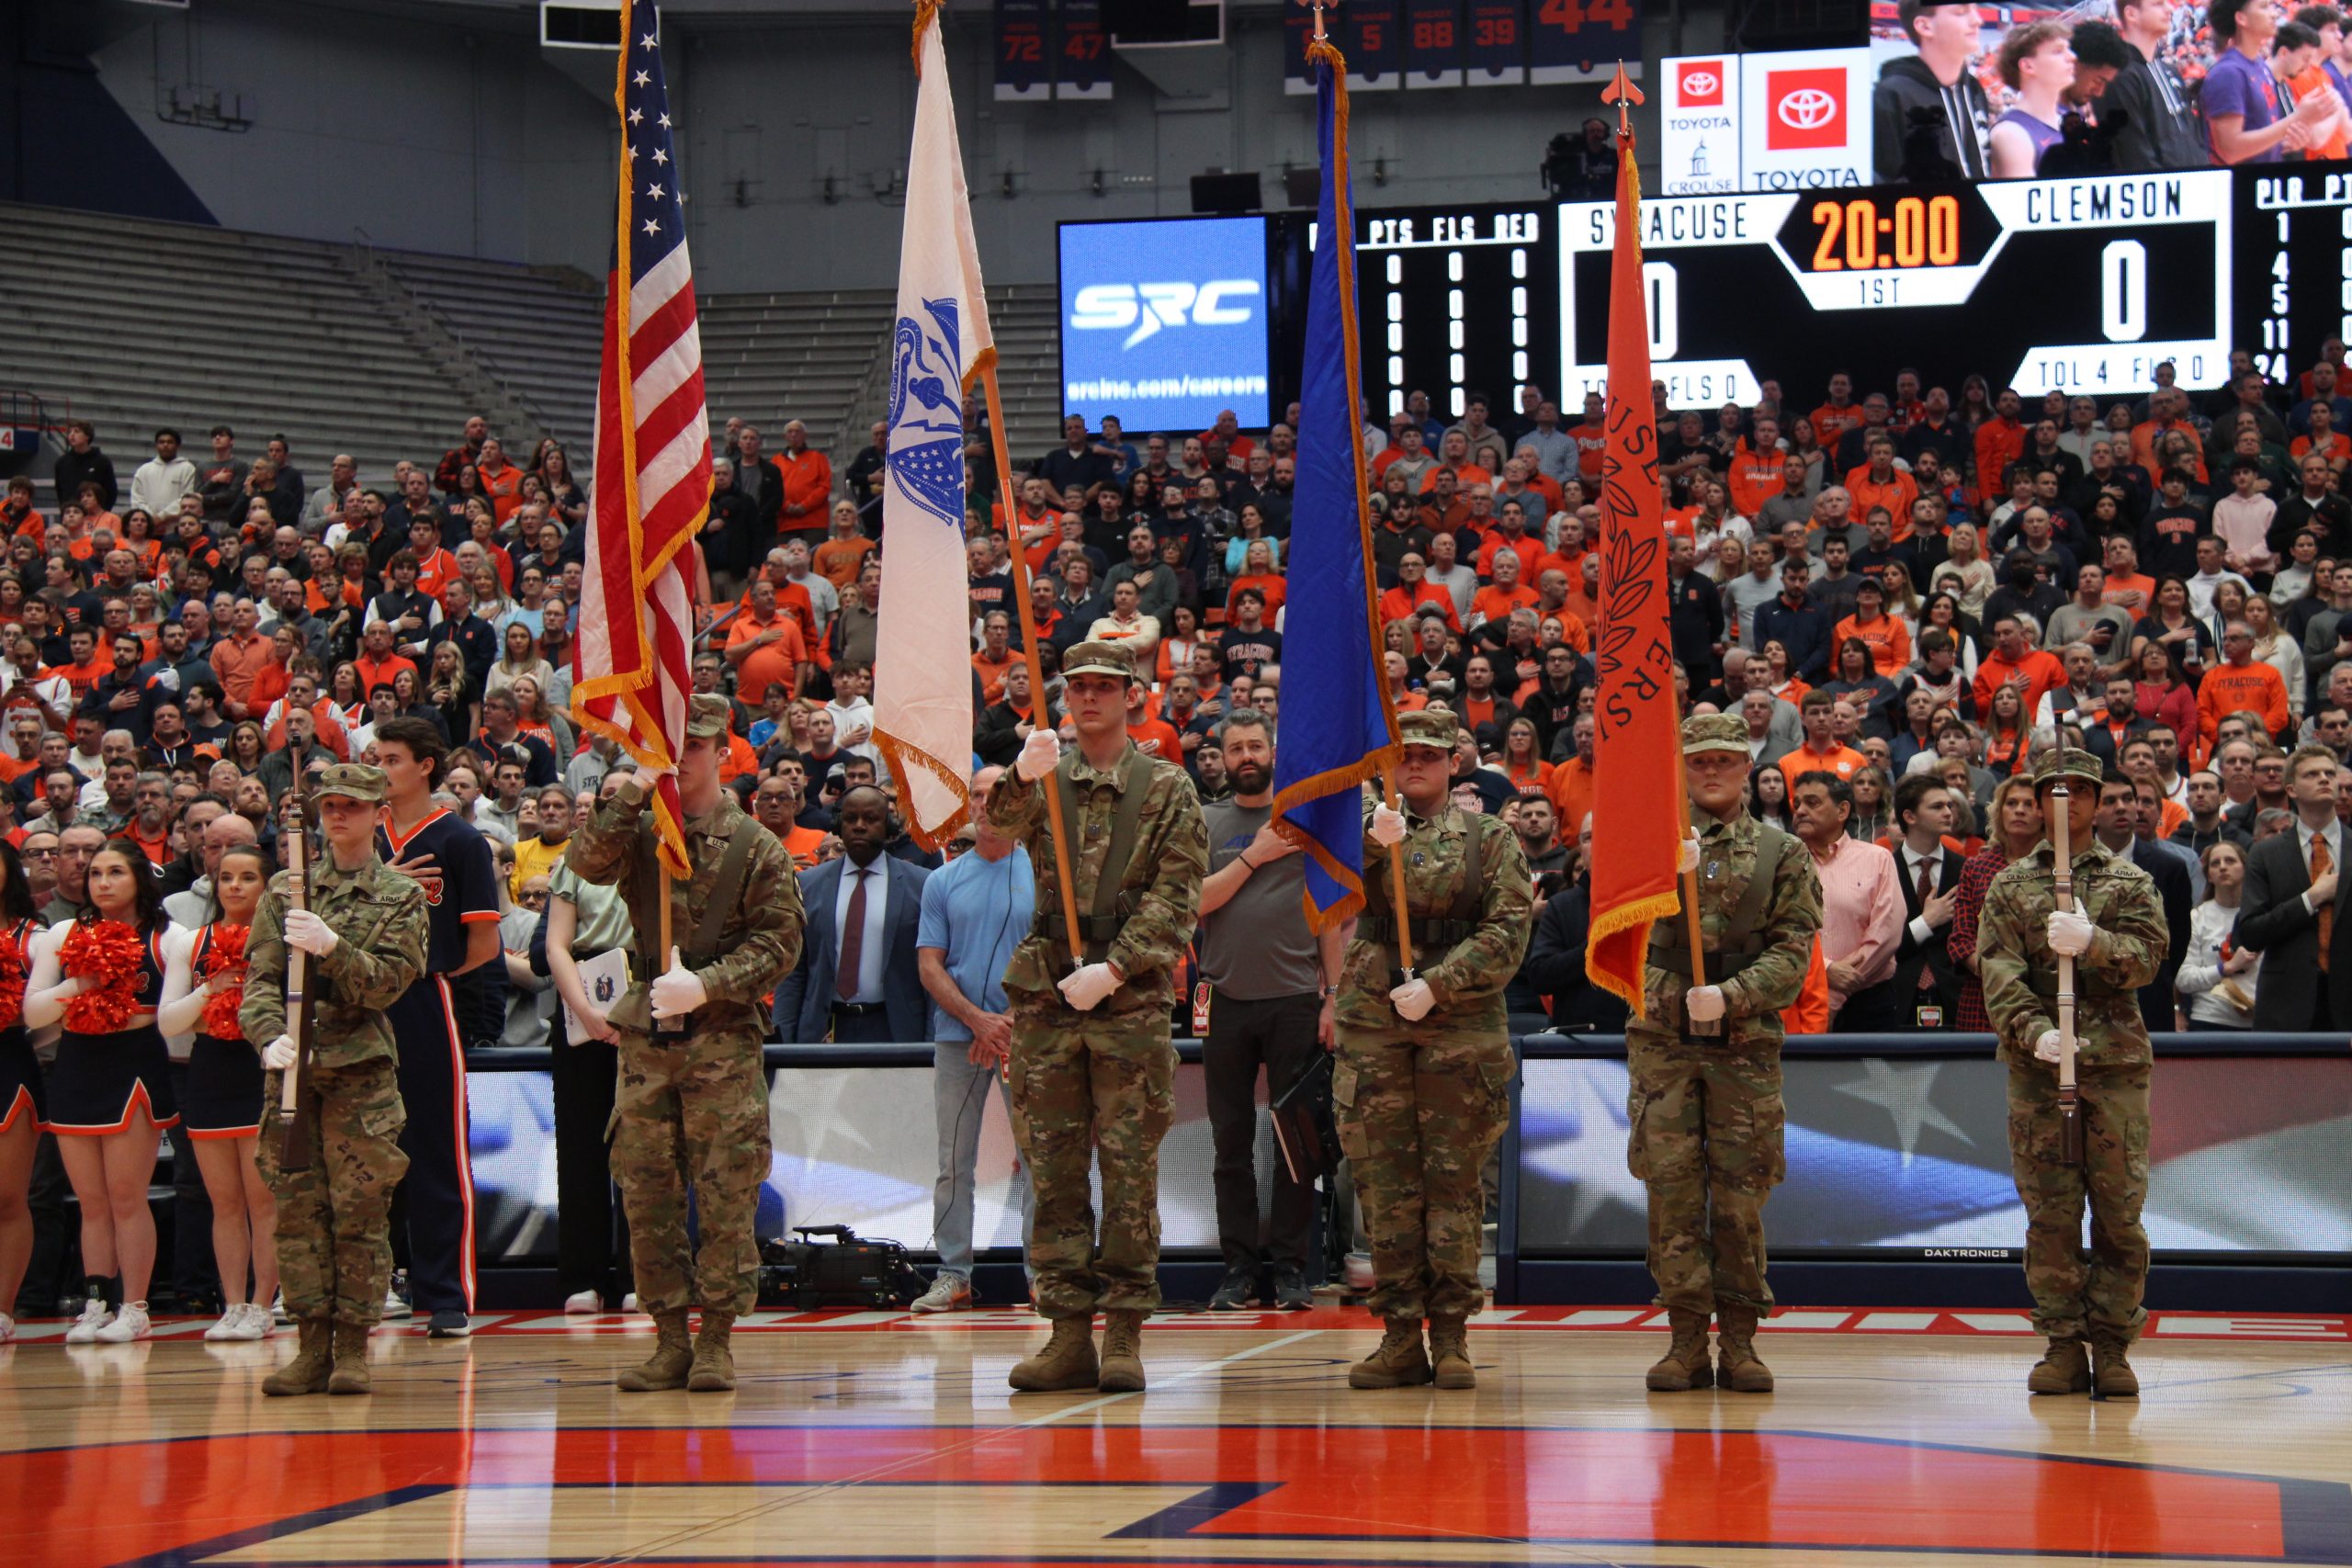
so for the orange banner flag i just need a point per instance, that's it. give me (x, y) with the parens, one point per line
(1637, 812)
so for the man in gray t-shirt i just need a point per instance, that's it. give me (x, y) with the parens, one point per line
(1269, 979)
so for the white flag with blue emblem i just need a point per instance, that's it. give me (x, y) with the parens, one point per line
(922, 677)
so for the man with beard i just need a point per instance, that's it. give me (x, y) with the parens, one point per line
(1268, 976)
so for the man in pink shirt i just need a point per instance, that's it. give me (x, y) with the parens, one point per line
(1861, 907)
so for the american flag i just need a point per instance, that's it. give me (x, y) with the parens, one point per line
(653, 485)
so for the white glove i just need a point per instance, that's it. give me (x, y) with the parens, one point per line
(2046, 1049)
(1387, 826)
(278, 1054)
(2070, 933)
(1413, 1001)
(1703, 1004)
(1086, 986)
(1038, 755)
(168, 677)
(311, 934)
(677, 990)
(1690, 855)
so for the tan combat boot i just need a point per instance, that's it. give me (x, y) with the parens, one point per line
(1684, 1366)
(1737, 1368)
(714, 1368)
(350, 1374)
(2065, 1368)
(1398, 1362)
(1122, 1352)
(1066, 1362)
(2111, 1373)
(666, 1368)
(1450, 1352)
(308, 1372)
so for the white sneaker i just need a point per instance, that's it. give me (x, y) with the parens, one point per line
(582, 1304)
(628, 1302)
(128, 1324)
(253, 1323)
(230, 1327)
(95, 1314)
(7, 1328)
(396, 1307)
(1359, 1274)
(949, 1292)
(279, 1316)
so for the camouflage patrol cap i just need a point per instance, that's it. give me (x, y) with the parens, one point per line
(1099, 659)
(706, 717)
(2076, 764)
(353, 781)
(1714, 732)
(1433, 727)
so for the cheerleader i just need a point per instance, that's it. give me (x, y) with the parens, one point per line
(101, 974)
(204, 983)
(21, 1098)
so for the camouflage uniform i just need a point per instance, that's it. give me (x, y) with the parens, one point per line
(1708, 1123)
(335, 1249)
(2098, 1299)
(1421, 1104)
(692, 1110)
(1102, 1079)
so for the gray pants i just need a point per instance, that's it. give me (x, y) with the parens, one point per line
(959, 1091)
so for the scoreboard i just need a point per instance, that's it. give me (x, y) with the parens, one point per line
(1455, 300)
(2294, 272)
(2080, 284)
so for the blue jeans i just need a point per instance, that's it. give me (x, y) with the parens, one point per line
(959, 1098)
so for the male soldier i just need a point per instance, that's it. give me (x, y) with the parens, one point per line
(692, 1104)
(2116, 935)
(1705, 1064)
(1423, 1084)
(364, 931)
(1092, 1070)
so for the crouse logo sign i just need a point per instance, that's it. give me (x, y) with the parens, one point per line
(1804, 108)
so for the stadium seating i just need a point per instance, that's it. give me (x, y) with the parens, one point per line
(134, 324)
(382, 353)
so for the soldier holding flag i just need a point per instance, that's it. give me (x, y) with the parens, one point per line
(2115, 936)
(1704, 1049)
(1423, 1084)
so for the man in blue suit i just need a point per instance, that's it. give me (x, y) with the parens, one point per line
(857, 981)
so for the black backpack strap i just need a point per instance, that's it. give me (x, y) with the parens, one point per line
(1126, 819)
(1771, 843)
(724, 892)
(1471, 894)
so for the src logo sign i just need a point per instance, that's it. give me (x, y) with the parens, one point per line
(1804, 108)
(1701, 82)
(1148, 307)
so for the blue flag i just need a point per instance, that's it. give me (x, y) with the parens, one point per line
(1337, 729)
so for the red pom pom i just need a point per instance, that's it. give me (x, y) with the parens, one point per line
(106, 954)
(227, 952)
(11, 985)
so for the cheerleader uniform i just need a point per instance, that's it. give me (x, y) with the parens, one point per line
(22, 1094)
(225, 1076)
(99, 1080)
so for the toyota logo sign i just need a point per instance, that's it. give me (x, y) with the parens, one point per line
(1804, 108)
(1808, 108)
(1701, 83)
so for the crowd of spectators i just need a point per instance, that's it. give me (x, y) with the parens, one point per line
(1905, 594)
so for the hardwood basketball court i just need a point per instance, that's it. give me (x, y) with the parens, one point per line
(1895, 1437)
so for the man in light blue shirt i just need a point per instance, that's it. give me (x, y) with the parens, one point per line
(976, 910)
